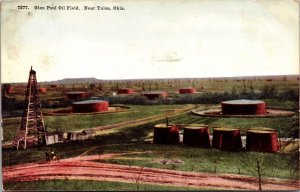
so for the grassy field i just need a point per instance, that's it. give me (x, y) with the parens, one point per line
(73, 185)
(202, 159)
(80, 122)
(138, 138)
(282, 104)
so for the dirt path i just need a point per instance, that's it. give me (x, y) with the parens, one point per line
(145, 119)
(85, 168)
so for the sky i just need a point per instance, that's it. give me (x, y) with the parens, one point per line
(149, 39)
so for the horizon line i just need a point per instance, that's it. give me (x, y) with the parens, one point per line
(164, 78)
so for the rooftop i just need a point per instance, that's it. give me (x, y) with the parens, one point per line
(243, 101)
(89, 101)
(226, 129)
(76, 92)
(154, 92)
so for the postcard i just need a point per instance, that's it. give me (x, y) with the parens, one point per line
(115, 95)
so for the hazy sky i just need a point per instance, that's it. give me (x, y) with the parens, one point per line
(150, 39)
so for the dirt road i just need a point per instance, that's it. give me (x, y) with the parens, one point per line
(86, 168)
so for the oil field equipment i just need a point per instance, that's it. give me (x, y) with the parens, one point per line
(166, 134)
(262, 139)
(243, 107)
(32, 130)
(228, 139)
(187, 90)
(196, 134)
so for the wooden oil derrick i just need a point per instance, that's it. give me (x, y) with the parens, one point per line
(32, 130)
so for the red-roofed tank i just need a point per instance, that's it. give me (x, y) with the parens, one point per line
(155, 95)
(262, 140)
(77, 95)
(196, 134)
(243, 107)
(125, 91)
(187, 90)
(166, 134)
(90, 106)
(228, 139)
(42, 90)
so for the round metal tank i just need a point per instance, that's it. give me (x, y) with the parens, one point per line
(77, 95)
(125, 91)
(262, 140)
(243, 107)
(166, 134)
(196, 134)
(10, 89)
(155, 95)
(187, 90)
(54, 86)
(42, 90)
(228, 139)
(90, 106)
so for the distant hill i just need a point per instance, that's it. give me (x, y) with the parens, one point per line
(76, 80)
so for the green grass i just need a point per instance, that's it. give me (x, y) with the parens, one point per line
(282, 104)
(81, 185)
(203, 159)
(122, 135)
(80, 122)
(135, 138)
(140, 134)
(13, 157)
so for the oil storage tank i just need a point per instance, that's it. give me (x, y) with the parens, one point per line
(77, 94)
(196, 134)
(228, 139)
(152, 95)
(9, 89)
(42, 90)
(262, 139)
(166, 134)
(243, 107)
(125, 91)
(187, 90)
(89, 106)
